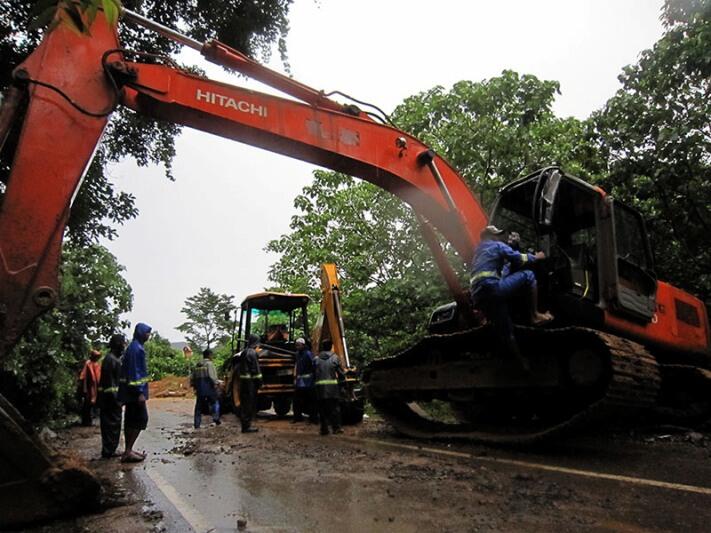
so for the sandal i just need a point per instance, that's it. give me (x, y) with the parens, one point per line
(132, 458)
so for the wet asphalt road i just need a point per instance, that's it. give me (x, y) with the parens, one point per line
(387, 484)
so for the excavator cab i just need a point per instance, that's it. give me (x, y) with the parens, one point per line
(598, 253)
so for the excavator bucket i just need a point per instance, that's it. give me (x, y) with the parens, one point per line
(36, 484)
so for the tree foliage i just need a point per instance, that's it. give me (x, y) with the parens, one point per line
(164, 360)
(209, 319)
(496, 130)
(40, 373)
(252, 27)
(655, 135)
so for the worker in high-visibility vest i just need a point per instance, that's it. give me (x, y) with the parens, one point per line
(109, 406)
(328, 375)
(492, 292)
(133, 391)
(250, 380)
(304, 391)
(204, 380)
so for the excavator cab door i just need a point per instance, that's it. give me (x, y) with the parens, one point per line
(545, 202)
(628, 271)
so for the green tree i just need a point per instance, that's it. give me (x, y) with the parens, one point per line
(164, 360)
(209, 319)
(252, 27)
(374, 240)
(493, 131)
(39, 375)
(496, 130)
(655, 134)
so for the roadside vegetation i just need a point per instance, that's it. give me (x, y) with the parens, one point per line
(650, 146)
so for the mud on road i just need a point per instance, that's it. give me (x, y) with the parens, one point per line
(289, 478)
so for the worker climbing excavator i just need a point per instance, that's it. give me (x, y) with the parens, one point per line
(626, 342)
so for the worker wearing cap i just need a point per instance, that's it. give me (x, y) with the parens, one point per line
(250, 380)
(204, 380)
(304, 391)
(328, 374)
(492, 292)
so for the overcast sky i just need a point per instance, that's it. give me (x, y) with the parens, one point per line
(209, 227)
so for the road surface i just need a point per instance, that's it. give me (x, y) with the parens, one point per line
(289, 478)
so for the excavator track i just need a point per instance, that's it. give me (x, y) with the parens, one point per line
(622, 381)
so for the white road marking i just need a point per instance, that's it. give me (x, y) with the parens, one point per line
(540, 466)
(189, 513)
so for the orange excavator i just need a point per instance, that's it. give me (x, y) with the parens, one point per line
(623, 342)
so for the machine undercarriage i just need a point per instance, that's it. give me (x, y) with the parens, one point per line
(579, 378)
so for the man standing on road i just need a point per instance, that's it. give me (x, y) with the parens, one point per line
(304, 392)
(133, 391)
(109, 406)
(89, 387)
(204, 381)
(327, 374)
(250, 380)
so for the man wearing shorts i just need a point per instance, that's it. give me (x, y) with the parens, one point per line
(133, 392)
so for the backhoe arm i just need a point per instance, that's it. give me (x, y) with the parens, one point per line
(73, 82)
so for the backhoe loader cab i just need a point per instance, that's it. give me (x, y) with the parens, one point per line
(278, 319)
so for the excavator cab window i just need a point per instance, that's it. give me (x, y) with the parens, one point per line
(635, 282)
(513, 212)
(565, 226)
(573, 239)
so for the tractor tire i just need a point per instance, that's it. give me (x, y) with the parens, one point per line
(282, 406)
(352, 412)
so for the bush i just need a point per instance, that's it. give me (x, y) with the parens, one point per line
(165, 360)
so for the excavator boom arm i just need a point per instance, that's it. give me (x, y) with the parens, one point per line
(74, 82)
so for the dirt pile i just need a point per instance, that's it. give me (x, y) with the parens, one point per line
(171, 387)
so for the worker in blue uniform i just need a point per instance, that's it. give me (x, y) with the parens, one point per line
(304, 388)
(133, 391)
(498, 277)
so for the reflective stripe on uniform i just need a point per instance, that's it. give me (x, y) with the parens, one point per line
(108, 389)
(483, 274)
(524, 258)
(139, 382)
(304, 376)
(327, 382)
(250, 376)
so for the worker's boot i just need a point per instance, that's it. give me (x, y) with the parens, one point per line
(537, 318)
